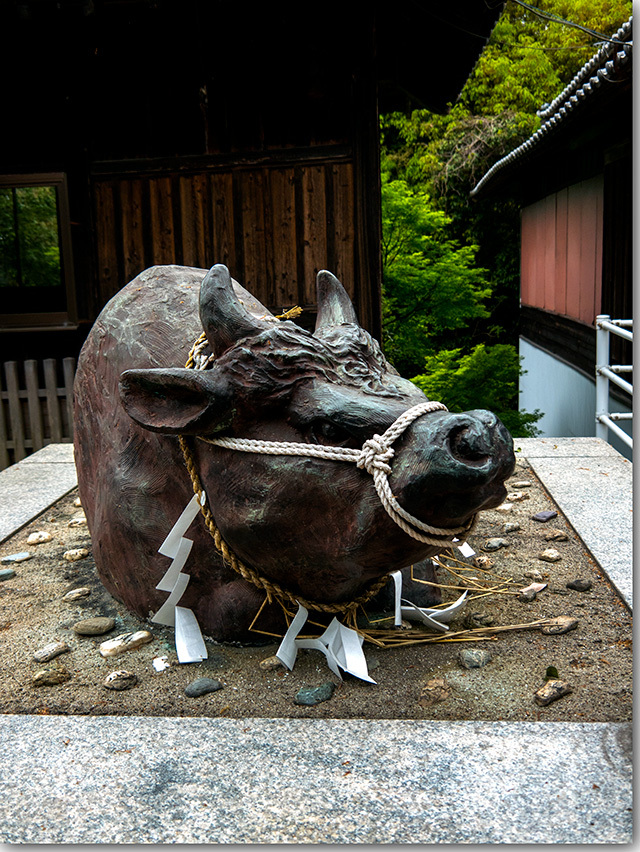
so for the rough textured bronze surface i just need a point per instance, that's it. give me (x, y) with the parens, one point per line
(314, 526)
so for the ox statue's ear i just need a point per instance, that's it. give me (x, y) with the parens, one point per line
(334, 305)
(176, 400)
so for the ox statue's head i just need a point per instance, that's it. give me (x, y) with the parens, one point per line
(314, 525)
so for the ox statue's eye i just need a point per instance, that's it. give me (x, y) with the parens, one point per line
(326, 432)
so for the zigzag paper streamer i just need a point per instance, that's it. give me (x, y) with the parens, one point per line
(190, 645)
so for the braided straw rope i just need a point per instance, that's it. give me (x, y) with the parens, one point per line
(374, 457)
(197, 360)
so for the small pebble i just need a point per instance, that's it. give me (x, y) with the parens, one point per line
(39, 537)
(522, 483)
(125, 642)
(51, 677)
(76, 594)
(53, 649)
(545, 516)
(16, 557)
(478, 619)
(161, 663)
(310, 695)
(202, 686)
(533, 574)
(77, 502)
(512, 526)
(271, 663)
(517, 497)
(579, 585)
(80, 521)
(434, 691)
(483, 562)
(550, 555)
(556, 535)
(94, 626)
(492, 544)
(527, 595)
(474, 658)
(559, 624)
(75, 554)
(6, 574)
(120, 680)
(551, 691)
(504, 507)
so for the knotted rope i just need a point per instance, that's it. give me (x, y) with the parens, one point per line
(374, 457)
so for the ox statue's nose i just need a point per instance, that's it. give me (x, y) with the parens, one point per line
(451, 465)
(476, 436)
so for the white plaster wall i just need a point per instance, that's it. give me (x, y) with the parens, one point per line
(565, 395)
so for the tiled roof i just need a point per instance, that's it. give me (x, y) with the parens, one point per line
(608, 65)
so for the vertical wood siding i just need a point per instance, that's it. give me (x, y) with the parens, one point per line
(275, 227)
(561, 255)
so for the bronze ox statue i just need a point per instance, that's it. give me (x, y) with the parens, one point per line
(314, 526)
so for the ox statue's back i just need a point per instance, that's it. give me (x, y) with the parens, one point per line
(315, 526)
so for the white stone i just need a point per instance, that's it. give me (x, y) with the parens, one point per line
(550, 555)
(75, 554)
(125, 642)
(517, 496)
(79, 521)
(39, 537)
(504, 507)
(77, 502)
(120, 680)
(53, 649)
(76, 594)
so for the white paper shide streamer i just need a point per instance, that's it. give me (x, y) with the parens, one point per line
(341, 645)
(190, 645)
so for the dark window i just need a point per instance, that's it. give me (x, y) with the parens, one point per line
(35, 265)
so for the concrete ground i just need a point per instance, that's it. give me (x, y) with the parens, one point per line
(76, 779)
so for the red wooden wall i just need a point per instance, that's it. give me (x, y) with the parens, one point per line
(561, 251)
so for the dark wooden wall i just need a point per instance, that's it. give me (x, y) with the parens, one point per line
(273, 225)
(195, 132)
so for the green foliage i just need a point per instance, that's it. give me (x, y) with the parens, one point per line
(29, 248)
(430, 284)
(486, 377)
(431, 163)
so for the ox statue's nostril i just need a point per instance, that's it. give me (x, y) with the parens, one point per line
(468, 444)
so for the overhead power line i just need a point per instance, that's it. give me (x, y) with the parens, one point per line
(548, 16)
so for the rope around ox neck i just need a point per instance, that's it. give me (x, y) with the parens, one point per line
(374, 457)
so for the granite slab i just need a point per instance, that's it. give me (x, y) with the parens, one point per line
(155, 780)
(593, 485)
(32, 485)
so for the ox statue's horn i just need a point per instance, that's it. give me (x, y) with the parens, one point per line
(334, 305)
(224, 319)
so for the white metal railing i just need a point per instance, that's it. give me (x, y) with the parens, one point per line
(606, 373)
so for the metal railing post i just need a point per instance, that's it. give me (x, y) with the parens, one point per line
(602, 380)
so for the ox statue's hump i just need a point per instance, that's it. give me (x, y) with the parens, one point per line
(153, 321)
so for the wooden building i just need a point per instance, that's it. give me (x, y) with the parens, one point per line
(573, 182)
(203, 131)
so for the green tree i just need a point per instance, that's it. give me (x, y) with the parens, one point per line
(527, 62)
(486, 377)
(430, 284)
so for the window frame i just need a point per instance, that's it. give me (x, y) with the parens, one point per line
(50, 320)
